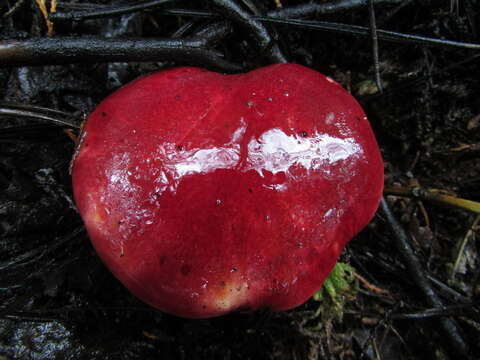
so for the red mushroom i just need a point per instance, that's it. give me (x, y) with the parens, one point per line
(207, 193)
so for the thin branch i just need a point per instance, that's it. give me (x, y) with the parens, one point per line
(436, 196)
(42, 6)
(228, 7)
(461, 249)
(213, 33)
(394, 11)
(364, 31)
(100, 12)
(448, 291)
(374, 38)
(457, 347)
(78, 11)
(191, 12)
(35, 112)
(182, 30)
(67, 50)
(348, 29)
(267, 45)
(412, 83)
(14, 8)
(315, 8)
(279, 16)
(457, 310)
(368, 285)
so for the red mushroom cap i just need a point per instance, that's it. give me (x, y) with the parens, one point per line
(207, 193)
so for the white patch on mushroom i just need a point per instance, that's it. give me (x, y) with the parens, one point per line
(276, 151)
(272, 151)
(120, 176)
(197, 161)
(205, 161)
(277, 187)
(329, 118)
(333, 216)
(121, 180)
(328, 213)
(232, 295)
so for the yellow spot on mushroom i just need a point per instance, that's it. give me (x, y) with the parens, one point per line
(96, 217)
(231, 295)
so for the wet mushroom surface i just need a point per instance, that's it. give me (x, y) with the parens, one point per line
(226, 192)
(60, 300)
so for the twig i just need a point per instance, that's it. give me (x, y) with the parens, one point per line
(435, 195)
(53, 6)
(374, 38)
(35, 112)
(228, 7)
(251, 6)
(457, 347)
(182, 30)
(447, 291)
(267, 45)
(213, 33)
(394, 11)
(370, 286)
(74, 137)
(100, 12)
(14, 8)
(397, 269)
(79, 11)
(410, 84)
(384, 35)
(68, 50)
(471, 11)
(461, 249)
(279, 16)
(438, 312)
(317, 8)
(364, 31)
(373, 332)
(278, 4)
(43, 9)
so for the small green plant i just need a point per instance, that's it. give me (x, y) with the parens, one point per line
(337, 289)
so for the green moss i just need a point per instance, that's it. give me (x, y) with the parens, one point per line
(337, 289)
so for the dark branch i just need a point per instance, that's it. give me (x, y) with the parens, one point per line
(457, 346)
(67, 50)
(235, 13)
(453, 310)
(100, 12)
(364, 31)
(213, 33)
(88, 11)
(409, 84)
(374, 38)
(385, 35)
(314, 8)
(35, 112)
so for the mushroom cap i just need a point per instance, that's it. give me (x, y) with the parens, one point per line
(206, 193)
